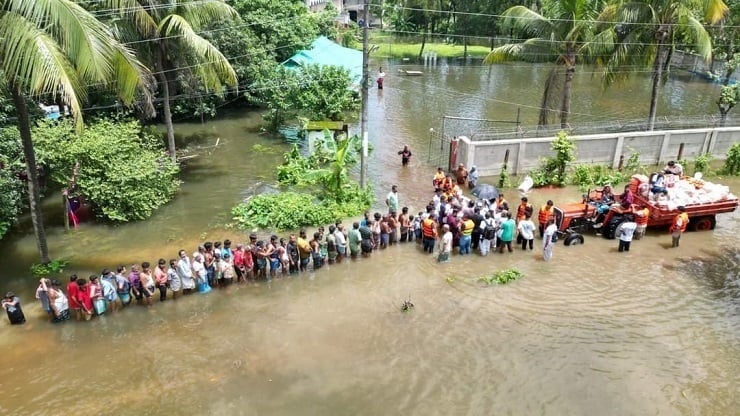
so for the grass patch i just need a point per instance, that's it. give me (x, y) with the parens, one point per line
(390, 47)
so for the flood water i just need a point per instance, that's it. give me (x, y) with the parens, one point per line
(652, 331)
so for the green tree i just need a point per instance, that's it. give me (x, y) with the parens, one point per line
(123, 170)
(56, 48)
(171, 31)
(729, 96)
(312, 91)
(647, 30)
(563, 37)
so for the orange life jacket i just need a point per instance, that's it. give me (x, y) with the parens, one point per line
(546, 213)
(521, 212)
(684, 217)
(642, 220)
(427, 227)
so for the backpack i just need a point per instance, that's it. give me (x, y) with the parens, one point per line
(489, 233)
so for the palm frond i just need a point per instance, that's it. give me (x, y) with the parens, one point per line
(34, 61)
(528, 21)
(715, 11)
(79, 34)
(201, 13)
(134, 11)
(202, 49)
(702, 39)
(531, 50)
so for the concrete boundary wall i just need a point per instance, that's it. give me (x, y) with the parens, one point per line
(654, 147)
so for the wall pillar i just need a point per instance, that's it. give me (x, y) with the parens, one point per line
(664, 148)
(519, 158)
(618, 149)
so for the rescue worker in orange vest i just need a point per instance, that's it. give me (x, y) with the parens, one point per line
(547, 211)
(429, 232)
(679, 225)
(642, 214)
(438, 178)
(523, 211)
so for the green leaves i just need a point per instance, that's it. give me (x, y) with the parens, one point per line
(313, 91)
(122, 172)
(501, 277)
(292, 210)
(552, 169)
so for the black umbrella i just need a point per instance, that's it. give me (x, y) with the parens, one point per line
(485, 191)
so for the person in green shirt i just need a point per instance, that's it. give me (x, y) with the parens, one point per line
(507, 233)
(354, 240)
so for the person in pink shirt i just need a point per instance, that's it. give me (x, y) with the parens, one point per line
(160, 279)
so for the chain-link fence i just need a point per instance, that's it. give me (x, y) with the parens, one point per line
(483, 130)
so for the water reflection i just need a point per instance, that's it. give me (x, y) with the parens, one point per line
(634, 333)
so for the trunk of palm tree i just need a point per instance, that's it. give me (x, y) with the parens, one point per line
(570, 69)
(24, 128)
(660, 57)
(164, 84)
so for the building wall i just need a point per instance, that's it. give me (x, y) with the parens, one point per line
(655, 147)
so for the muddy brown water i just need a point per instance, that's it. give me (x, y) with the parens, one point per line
(653, 331)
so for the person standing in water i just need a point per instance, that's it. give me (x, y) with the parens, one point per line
(405, 155)
(12, 306)
(381, 76)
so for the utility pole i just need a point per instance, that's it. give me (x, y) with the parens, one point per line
(363, 91)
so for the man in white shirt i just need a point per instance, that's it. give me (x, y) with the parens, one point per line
(185, 271)
(626, 232)
(445, 246)
(547, 243)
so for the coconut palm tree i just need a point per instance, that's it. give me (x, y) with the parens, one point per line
(647, 30)
(56, 48)
(569, 33)
(169, 29)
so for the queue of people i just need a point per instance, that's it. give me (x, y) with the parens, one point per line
(450, 220)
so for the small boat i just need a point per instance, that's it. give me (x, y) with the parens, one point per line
(410, 73)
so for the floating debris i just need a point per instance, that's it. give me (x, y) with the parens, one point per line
(407, 305)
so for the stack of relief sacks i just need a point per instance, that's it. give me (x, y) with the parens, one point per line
(683, 191)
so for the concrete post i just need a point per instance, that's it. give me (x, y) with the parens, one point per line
(519, 158)
(664, 148)
(618, 151)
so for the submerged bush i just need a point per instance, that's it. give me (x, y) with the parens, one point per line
(123, 169)
(732, 163)
(292, 210)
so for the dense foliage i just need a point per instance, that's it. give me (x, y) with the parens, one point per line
(123, 169)
(11, 191)
(732, 163)
(327, 192)
(313, 92)
(552, 169)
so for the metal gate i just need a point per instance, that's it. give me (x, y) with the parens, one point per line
(439, 149)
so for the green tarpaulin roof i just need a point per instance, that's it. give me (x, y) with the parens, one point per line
(325, 52)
